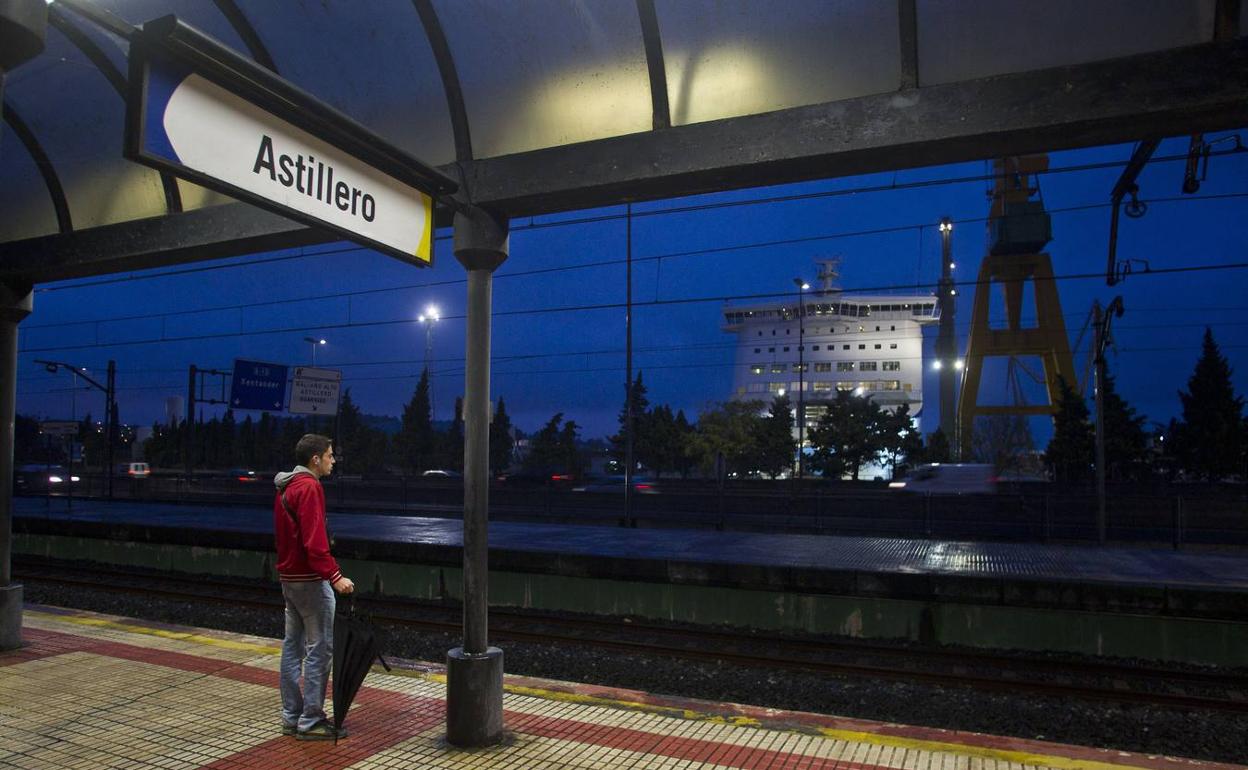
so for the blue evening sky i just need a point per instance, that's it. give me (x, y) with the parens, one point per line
(554, 351)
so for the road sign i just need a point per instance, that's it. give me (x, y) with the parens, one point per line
(257, 385)
(202, 112)
(315, 391)
(59, 428)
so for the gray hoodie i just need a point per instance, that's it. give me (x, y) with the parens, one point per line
(283, 478)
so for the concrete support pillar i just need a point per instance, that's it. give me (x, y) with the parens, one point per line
(474, 672)
(23, 24)
(15, 304)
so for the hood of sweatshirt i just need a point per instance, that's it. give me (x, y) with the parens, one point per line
(283, 479)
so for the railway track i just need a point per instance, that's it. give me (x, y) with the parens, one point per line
(988, 671)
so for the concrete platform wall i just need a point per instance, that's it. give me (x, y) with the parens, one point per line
(784, 609)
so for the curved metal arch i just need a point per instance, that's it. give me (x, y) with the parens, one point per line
(653, 41)
(234, 15)
(58, 20)
(50, 179)
(450, 78)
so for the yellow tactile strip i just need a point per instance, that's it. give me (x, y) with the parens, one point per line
(138, 695)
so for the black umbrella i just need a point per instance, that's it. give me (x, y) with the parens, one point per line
(357, 643)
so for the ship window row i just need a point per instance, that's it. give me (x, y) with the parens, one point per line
(832, 330)
(828, 386)
(817, 348)
(847, 309)
(826, 366)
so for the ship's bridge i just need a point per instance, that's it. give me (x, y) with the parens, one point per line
(921, 308)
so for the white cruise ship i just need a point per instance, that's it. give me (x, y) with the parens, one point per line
(871, 345)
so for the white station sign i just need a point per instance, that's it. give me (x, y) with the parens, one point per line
(315, 391)
(194, 128)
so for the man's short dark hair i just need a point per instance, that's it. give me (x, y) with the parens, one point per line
(311, 445)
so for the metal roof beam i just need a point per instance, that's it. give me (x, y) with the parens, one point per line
(238, 20)
(450, 78)
(215, 232)
(79, 39)
(44, 164)
(653, 41)
(1169, 93)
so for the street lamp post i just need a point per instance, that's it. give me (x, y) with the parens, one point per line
(110, 413)
(957, 373)
(801, 373)
(314, 342)
(428, 319)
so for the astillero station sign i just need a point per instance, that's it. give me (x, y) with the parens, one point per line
(201, 111)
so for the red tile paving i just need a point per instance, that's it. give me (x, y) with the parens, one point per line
(391, 728)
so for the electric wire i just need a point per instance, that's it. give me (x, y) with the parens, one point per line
(687, 209)
(303, 328)
(582, 266)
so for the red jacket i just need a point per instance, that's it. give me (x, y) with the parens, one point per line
(302, 544)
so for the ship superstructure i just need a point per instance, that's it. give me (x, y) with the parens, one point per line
(869, 344)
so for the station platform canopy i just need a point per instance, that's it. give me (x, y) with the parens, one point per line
(539, 106)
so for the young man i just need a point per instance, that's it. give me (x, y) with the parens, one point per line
(309, 576)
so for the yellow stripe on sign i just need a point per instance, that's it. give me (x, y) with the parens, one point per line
(112, 625)
(424, 251)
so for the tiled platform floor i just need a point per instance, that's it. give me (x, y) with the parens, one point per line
(93, 691)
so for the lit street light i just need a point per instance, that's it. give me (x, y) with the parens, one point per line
(314, 343)
(428, 319)
(801, 373)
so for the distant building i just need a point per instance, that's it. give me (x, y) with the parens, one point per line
(870, 345)
(175, 410)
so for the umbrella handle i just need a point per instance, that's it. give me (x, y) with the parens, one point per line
(383, 663)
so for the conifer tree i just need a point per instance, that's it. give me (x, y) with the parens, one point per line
(1125, 440)
(848, 436)
(938, 448)
(1210, 440)
(777, 448)
(415, 440)
(1070, 451)
(501, 442)
(545, 452)
(636, 392)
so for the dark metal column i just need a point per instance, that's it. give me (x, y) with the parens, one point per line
(15, 304)
(23, 24)
(946, 341)
(474, 672)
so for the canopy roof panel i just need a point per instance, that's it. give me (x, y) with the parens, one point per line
(548, 105)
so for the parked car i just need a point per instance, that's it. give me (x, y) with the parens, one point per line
(949, 479)
(134, 470)
(616, 485)
(242, 475)
(41, 478)
(443, 474)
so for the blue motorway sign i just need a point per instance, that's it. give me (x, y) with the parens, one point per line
(258, 385)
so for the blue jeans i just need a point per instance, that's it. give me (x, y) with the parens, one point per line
(309, 644)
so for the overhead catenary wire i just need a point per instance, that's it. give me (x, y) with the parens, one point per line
(814, 339)
(588, 308)
(686, 209)
(539, 271)
(176, 387)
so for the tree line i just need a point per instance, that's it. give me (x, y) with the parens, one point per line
(739, 438)
(1209, 442)
(268, 442)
